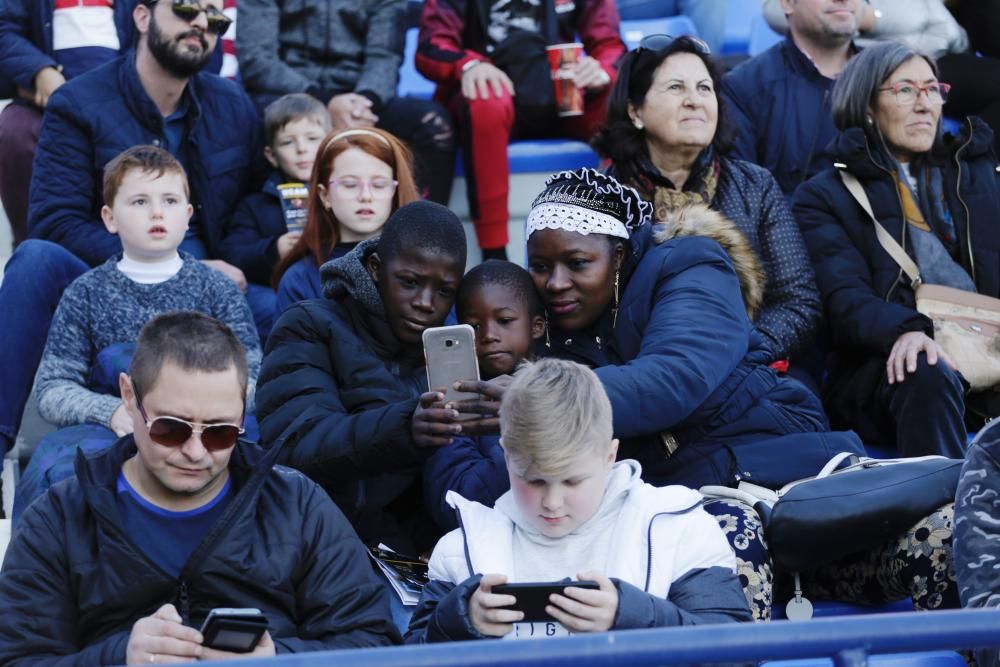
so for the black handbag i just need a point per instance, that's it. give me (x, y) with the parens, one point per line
(847, 509)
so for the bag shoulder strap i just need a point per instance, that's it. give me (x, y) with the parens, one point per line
(890, 245)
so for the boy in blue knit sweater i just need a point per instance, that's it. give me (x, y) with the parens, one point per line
(100, 314)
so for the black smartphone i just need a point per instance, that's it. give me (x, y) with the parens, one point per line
(533, 597)
(234, 630)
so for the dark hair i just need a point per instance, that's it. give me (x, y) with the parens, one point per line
(425, 225)
(148, 160)
(322, 229)
(194, 341)
(619, 140)
(504, 274)
(856, 89)
(290, 108)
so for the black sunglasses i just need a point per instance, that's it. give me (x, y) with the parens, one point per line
(174, 431)
(188, 11)
(657, 43)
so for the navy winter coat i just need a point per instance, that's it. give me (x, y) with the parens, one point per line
(869, 302)
(684, 358)
(472, 467)
(96, 116)
(337, 391)
(26, 37)
(73, 582)
(780, 106)
(251, 241)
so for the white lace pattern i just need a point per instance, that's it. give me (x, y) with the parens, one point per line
(573, 219)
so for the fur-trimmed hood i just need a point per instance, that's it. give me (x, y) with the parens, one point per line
(700, 220)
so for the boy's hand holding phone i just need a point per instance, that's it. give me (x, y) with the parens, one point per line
(487, 406)
(486, 608)
(433, 425)
(583, 610)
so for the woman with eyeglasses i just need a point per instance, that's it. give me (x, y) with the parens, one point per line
(667, 135)
(939, 199)
(359, 178)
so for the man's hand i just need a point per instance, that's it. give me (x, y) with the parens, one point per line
(589, 75)
(286, 242)
(433, 425)
(46, 81)
(484, 611)
(228, 270)
(265, 649)
(482, 79)
(906, 349)
(585, 610)
(121, 421)
(349, 110)
(163, 639)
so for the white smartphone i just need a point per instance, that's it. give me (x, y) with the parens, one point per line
(450, 355)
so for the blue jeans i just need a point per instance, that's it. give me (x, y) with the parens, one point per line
(708, 16)
(34, 279)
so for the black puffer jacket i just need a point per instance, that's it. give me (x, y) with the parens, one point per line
(73, 583)
(337, 390)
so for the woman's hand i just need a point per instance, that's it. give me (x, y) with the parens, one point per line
(286, 242)
(433, 424)
(484, 608)
(479, 81)
(905, 351)
(487, 405)
(589, 75)
(583, 609)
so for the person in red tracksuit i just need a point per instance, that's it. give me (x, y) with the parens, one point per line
(480, 53)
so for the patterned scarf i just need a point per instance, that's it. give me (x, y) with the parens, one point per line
(699, 189)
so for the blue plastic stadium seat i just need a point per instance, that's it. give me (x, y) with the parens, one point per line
(411, 82)
(739, 26)
(640, 9)
(951, 125)
(634, 30)
(929, 659)
(545, 156)
(761, 36)
(827, 609)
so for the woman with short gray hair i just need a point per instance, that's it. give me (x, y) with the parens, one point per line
(938, 197)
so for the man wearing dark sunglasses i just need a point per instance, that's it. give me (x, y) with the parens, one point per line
(155, 94)
(177, 519)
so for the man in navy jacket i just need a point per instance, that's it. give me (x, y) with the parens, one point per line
(154, 95)
(122, 563)
(780, 100)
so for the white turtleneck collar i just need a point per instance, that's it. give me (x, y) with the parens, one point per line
(150, 273)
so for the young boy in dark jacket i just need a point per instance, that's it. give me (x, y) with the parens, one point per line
(267, 224)
(573, 512)
(498, 300)
(122, 563)
(339, 386)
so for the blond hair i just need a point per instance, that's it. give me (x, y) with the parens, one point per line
(552, 413)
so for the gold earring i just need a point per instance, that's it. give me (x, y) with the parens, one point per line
(614, 311)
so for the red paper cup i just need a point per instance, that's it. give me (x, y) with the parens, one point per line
(562, 57)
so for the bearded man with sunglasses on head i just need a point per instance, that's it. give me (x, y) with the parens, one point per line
(156, 94)
(122, 563)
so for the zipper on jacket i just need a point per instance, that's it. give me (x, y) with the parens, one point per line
(958, 193)
(184, 602)
(649, 540)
